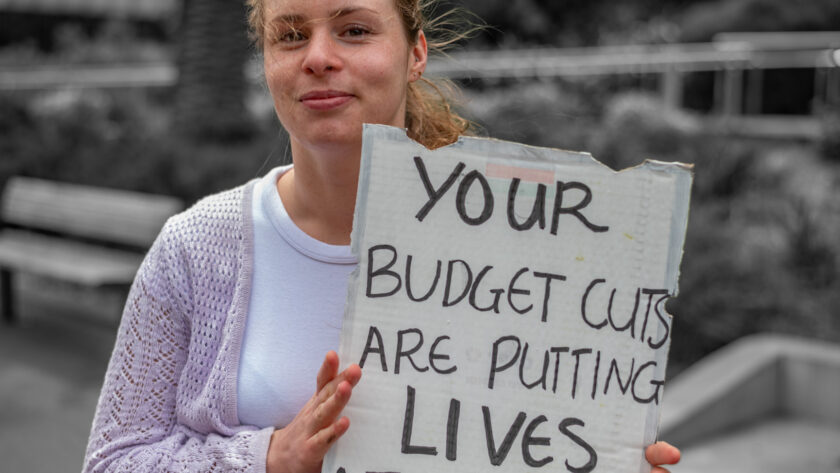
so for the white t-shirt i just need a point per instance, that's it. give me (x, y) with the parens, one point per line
(297, 305)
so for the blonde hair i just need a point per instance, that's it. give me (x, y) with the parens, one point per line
(429, 117)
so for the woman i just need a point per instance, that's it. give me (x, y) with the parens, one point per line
(219, 332)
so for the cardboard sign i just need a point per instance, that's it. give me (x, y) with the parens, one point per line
(508, 308)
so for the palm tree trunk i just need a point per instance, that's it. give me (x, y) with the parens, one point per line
(210, 95)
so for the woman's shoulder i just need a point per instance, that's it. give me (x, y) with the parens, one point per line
(201, 247)
(217, 216)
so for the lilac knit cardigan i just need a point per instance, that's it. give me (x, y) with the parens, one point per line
(168, 402)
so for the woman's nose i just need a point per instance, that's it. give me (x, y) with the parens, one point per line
(321, 54)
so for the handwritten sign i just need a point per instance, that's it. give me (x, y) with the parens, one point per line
(508, 308)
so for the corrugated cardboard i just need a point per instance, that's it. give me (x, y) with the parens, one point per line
(507, 330)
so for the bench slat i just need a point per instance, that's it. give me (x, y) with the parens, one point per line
(67, 260)
(106, 214)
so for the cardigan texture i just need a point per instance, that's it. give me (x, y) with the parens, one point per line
(168, 402)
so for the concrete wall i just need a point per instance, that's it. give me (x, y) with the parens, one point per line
(753, 379)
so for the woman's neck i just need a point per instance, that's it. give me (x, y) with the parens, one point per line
(319, 193)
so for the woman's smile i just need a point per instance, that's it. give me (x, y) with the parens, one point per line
(323, 100)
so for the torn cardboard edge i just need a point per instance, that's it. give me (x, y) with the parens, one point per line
(499, 150)
(495, 148)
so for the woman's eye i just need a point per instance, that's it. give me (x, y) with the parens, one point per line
(356, 31)
(290, 36)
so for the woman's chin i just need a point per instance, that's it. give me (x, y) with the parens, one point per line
(326, 133)
(333, 137)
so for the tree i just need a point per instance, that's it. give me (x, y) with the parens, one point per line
(213, 51)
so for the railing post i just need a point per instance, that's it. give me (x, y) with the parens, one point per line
(672, 88)
(732, 91)
(755, 92)
(6, 303)
(832, 95)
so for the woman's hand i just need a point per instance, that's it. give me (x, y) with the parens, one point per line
(661, 453)
(300, 446)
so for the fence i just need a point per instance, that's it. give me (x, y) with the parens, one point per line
(738, 61)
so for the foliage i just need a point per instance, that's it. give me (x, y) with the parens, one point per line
(213, 49)
(760, 254)
(519, 112)
(120, 141)
(637, 126)
(701, 21)
(762, 260)
(830, 143)
(578, 22)
(114, 41)
(588, 23)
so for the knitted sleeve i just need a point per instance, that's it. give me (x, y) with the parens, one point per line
(137, 427)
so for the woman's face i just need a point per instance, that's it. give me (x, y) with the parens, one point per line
(332, 65)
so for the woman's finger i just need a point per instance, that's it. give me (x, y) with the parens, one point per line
(328, 370)
(327, 411)
(659, 469)
(352, 375)
(324, 438)
(662, 453)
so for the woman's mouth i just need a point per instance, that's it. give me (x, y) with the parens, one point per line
(325, 99)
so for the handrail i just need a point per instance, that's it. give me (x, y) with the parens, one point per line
(528, 63)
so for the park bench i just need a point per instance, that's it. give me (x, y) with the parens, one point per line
(85, 235)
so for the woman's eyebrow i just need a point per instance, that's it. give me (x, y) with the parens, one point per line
(349, 10)
(287, 19)
(294, 18)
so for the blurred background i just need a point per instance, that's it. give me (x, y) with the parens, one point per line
(166, 97)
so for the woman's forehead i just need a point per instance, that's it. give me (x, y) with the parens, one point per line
(315, 9)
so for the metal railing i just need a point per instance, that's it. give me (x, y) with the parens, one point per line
(730, 57)
(731, 51)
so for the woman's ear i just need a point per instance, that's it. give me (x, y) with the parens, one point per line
(419, 57)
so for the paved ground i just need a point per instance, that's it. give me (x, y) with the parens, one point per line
(772, 446)
(53, 361)
(51, 369)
